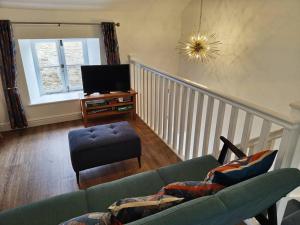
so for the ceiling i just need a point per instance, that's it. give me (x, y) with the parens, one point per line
(66, 4)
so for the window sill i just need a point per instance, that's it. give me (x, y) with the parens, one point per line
(56, 98)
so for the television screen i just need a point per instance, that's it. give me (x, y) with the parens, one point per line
(105, 78)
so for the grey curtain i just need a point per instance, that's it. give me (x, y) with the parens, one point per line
(8, 73)
(111, 43)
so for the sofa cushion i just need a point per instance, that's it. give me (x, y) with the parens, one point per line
(194, 169)
(191, 189)
(100, 197)
(95, 218)
(242, 169)
(131, 209)
(47, 212)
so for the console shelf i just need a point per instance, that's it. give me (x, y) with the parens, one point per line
(94, 106)
(111, 105)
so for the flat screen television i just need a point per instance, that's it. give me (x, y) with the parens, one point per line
(105, 78)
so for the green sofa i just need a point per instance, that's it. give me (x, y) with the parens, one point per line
(229, 206)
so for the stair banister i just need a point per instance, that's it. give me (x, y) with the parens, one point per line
(190, 117)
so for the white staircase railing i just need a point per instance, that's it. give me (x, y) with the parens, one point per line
(190, 118)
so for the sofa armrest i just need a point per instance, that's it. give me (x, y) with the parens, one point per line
(229, 146)
(231, 205)
(252, 197)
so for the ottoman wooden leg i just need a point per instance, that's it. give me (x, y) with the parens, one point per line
(140, 163)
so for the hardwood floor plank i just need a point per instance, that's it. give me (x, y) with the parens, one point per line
(35, 163)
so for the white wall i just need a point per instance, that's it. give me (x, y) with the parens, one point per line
(260, 53)
(150, 30)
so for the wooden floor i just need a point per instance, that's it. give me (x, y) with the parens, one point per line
(35, 163)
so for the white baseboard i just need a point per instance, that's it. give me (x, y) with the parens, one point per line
(5, 126)
(45, 120)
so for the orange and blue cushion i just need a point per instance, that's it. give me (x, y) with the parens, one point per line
(191, 189)
(242, 169)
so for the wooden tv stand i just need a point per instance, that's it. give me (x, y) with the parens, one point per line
(99, 105)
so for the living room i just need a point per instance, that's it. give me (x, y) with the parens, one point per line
(242, 85)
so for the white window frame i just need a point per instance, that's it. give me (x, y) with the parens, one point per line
(62, 63)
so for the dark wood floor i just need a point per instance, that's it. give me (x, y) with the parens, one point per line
(35, 163)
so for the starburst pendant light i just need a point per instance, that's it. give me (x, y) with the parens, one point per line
(201, 47)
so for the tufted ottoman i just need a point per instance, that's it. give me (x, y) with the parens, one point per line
(103, 144)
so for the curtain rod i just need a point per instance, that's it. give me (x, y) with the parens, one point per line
(58, 23)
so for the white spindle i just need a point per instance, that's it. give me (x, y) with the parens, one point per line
(139, 91)
(136, 88)
(135, 77)
(146, 96)
(156, 120)
(209, 112)
(161, 104)
(142, 95)
(166, 109)
(171, 112)
(246, 131)
(263, 137)
(176, 116)
(182, 120)
(131, 67)
(219, 127)
(189, 124)
(152, 108)
(198, 120)
(149, 98)
(232, 129)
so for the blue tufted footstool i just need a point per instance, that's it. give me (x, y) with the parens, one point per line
(103, 144)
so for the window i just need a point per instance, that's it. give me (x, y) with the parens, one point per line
(52, 67)
(57, 64)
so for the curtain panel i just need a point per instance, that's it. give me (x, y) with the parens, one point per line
(8, 75)
(111, 43)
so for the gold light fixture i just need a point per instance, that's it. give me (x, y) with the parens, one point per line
(201, 47)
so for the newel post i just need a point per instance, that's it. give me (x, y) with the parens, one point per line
(289, 151)
(132, 72)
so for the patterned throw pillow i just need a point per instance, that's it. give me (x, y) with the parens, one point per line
(191, 189)
(242, 169)
(130, 209)
(96, 218)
